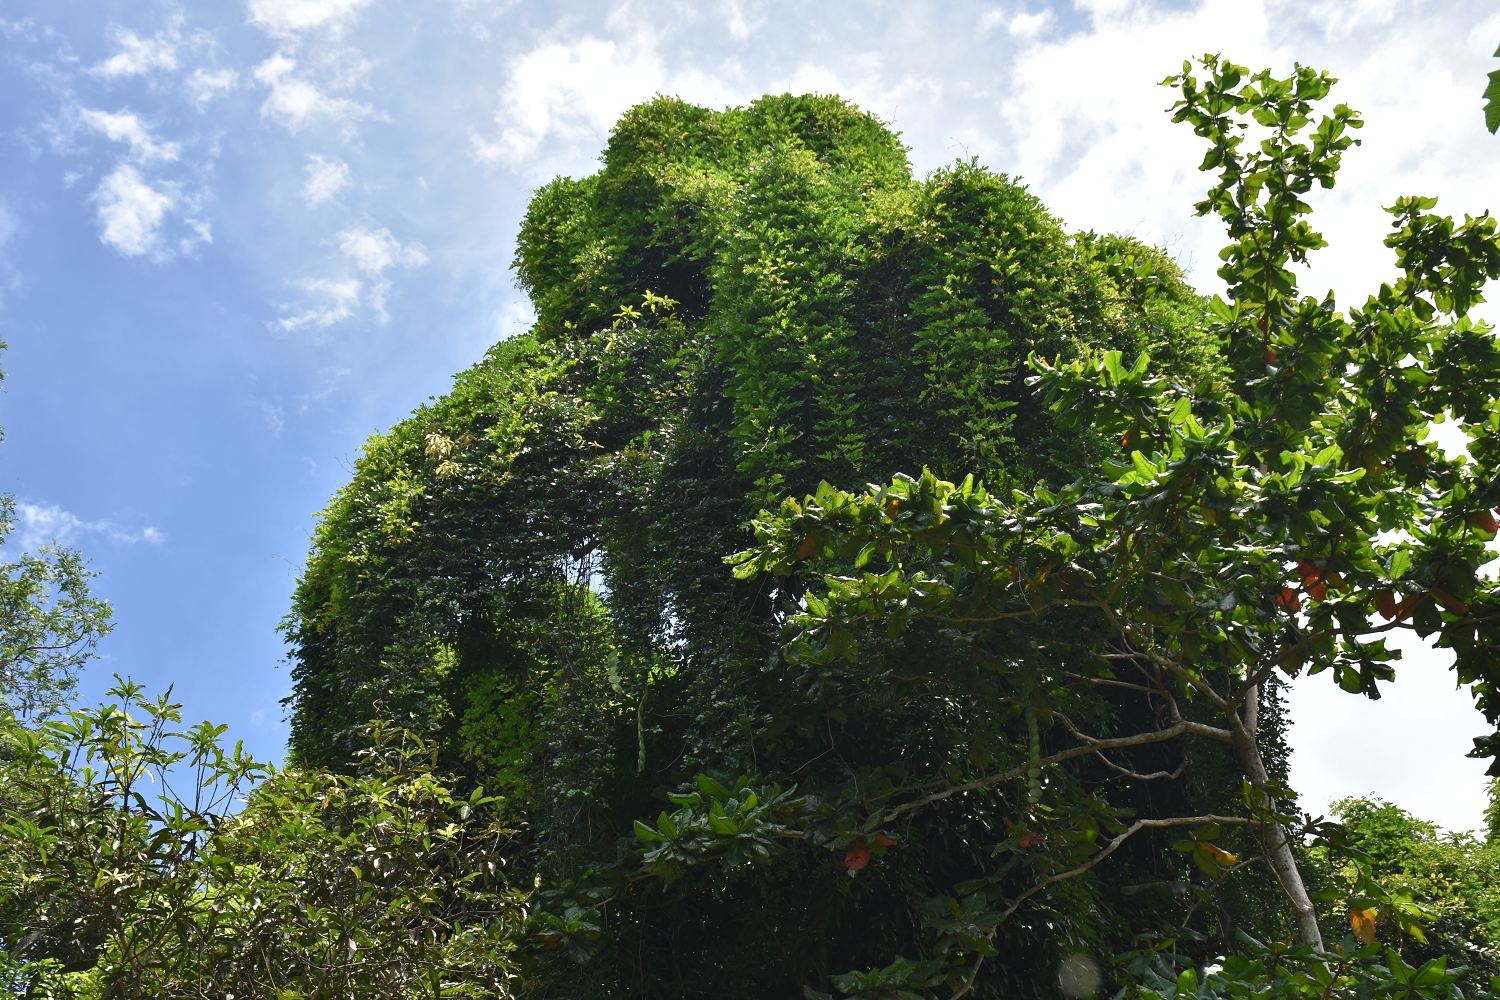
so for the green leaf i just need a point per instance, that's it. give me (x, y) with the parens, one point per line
(1492, 101)
(708, 786)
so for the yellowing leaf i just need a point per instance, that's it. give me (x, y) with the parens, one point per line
(1223, 857)
(1362, 923)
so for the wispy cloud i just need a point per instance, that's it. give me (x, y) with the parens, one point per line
(39, 525)
(368, 250)
(131, 211)
(571, 93)
(333, 302)
(138, 56)
(1030, 25)
(374, 251)
(132, 207)
(127, 128)
(204, 85)
(325, 179)
(290, 18)
(295, 100)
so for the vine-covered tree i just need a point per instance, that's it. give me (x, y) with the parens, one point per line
(739, 304)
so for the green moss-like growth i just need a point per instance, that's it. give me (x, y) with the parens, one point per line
(738, 305)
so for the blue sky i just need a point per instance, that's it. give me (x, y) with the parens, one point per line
(238, 237)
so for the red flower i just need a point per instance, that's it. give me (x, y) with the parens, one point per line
(858, 856)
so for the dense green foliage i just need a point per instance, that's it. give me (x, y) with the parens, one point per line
(125, 870)
(1285, 520)
(738, 304)
(1450, 876)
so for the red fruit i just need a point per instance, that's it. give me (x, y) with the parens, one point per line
(858, 856)
(885, 841)
(1270, 356)
(1028, 840)
(1289, 600)
(1385, 603)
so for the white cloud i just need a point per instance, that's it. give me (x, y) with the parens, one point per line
(1339, 18)
(369, 251)
(374, 251)
(127, 128)
(45, 525)
(338, 300)
(740, 26)
(573, 93)
(1107, 157)
(1430, 719)
(139, 55)
(1030, 25)
(204, 85)
(295, 101)
(325, 179)
(515, 317)
(287, 18)
(130, 211)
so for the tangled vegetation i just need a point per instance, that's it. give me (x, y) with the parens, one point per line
(530, 570)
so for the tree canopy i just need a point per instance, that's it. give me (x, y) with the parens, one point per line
(530, 570)
(1015, 702)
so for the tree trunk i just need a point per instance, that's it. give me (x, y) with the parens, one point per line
(1277, 844)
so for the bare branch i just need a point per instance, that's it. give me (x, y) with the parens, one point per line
(1172, 775)
(1092, 745)
(1113, 845)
